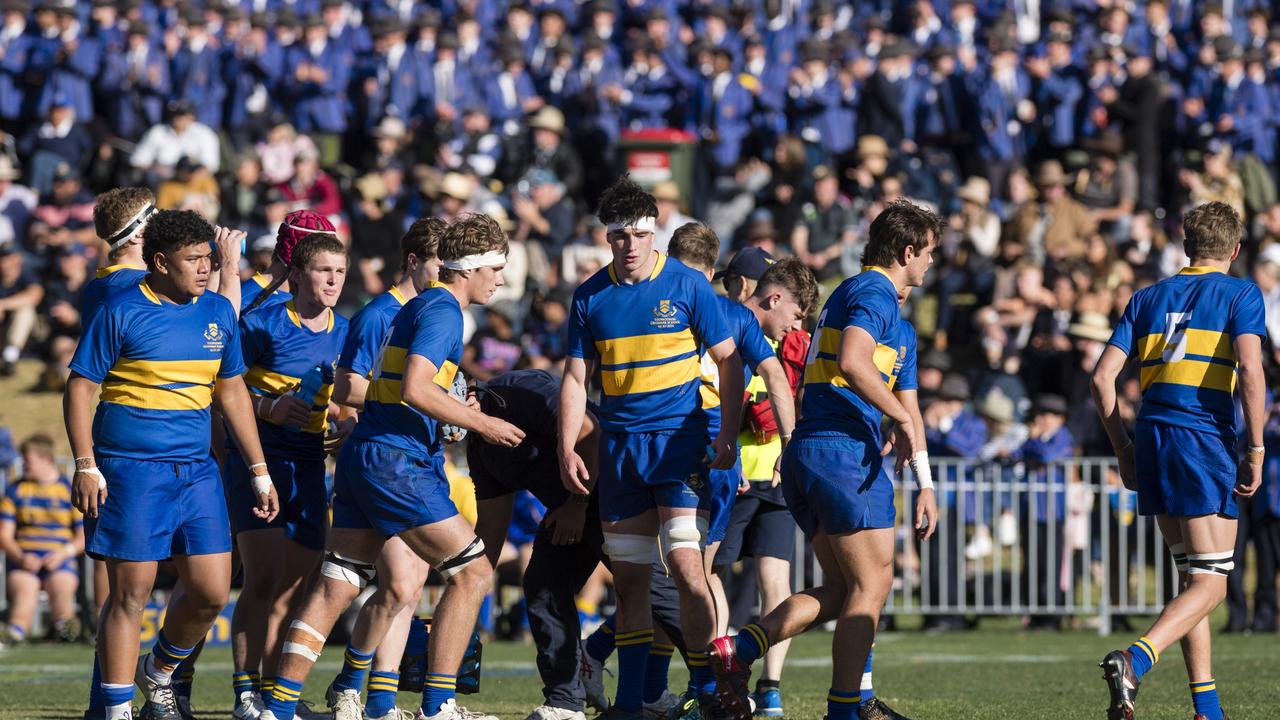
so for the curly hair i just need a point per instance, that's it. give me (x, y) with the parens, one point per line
(1211, 230)
(312, 245)
(422, 240)
(170, 230)
(626, 201)
(900, 225)
(469, 234)
(113, 209)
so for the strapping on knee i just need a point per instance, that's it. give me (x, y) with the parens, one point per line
(1219, 563)
(454, 564)
(354, 572)
(637, 549)
(684, 532)
(304, 640)
(1179, 552)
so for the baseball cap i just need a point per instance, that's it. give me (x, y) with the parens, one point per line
(748, 262)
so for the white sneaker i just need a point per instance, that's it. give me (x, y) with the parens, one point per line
(249, 707)
(395, 714)
(346, 706)
(980, 546)
(592, 673)
(451, 711)
(548, 712)
(159, 700)
(661, 707)
(1007, 529)
(268, 715)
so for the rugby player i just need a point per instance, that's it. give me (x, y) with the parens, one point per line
(1195, 336)
(161, 357)
(391, 481)
(639, 326)
(861, 367)
(274, 287)
(290, 349)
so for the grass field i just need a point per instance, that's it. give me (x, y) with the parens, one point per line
(981, 675)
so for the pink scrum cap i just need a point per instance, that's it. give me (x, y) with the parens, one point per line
(297, 225)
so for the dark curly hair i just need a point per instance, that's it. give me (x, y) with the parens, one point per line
(626, 201)
(170, 230)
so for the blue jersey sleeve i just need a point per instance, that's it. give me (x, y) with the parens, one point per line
(1248, 314)
(364, 337)
(435, 336)
(100, 345)
(872, 310)
(1122, 336)
(907, 375)
(232, 353)
(705, 315)
(253, 338)
(752, 344)
(9, 503)
(581, 344)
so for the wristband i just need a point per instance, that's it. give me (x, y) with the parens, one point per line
(1257, 449)
(920, 468)
(102, 479)
(261, 484)
(89, 459)
(257, 465)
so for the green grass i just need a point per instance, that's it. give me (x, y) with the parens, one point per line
(994, 673)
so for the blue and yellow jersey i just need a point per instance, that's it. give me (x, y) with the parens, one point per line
(285, 357)
(250, 289)
(868, 301)
(430, 325)
(1180, 330)
(43, 514)
(368, 330)
(753, 348)
(157, 363)
(647, 338)
(107, 281)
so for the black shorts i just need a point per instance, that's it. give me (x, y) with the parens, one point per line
(757, 528)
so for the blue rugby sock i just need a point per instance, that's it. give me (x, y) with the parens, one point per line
(1144, 656)
(656, 669)
(633, 656)
(1204, 696)
(867, 690)
(96, 708)
(165, 658)
(117, 701)
(241, 683)
(701, 679)
(355, 669)
(600, 643)
(283, 700)
(751, 643)
(842, 705)
(382, 693)
(436, 691)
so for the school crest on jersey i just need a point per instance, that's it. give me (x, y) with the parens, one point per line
(664, 314)
(214, 338)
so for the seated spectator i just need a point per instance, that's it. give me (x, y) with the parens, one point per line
(376, 227)
(278, 151)
(41, 535)
(61, 138)
(1109, 186)
(63, 289)
(477, 148)
(388, 145)
(17, 203)
(667, 195)
(312, 188)
(454, 194)
(20, 295)
(1053, 225)
(1218, 180)
(542, 216)
(495, 348)
(243, 195)
(975, 222)
(549, 150)
(64, 216)
(192, 187)
(180, 136)
(826, 227)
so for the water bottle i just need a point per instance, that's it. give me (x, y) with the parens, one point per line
(307, 389)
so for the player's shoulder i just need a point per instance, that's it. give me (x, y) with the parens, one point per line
(675, 272)
(340, 322)
(598, 281)
(436, 302)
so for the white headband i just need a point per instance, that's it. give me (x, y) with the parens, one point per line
(641, 225)
(311, 231)
(130, 228)
(492, 258)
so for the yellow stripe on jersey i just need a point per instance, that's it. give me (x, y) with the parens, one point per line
(393, 359)
(391, 391)
(1196, 373)
(829, 340)
(885, 359)
(824, 371)
(650, 378)
(446, 374)
(645, 348)
(1207, 343)
(273, 383)
(142, 384)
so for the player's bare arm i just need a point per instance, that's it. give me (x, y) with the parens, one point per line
(350, 388)
(429, 398)
(233, 401)
(88, 487)
(1253, 398)
(859, 370)
(729, 363)
(573, 411)
(926, 512)
(1105, 374)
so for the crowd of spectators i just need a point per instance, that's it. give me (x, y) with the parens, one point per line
(1060, 140)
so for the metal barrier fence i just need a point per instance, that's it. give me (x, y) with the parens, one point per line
(1062, 539)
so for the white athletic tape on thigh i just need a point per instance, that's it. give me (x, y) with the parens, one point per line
(1219, 563)
(649, 224)
(923, 473)
(353, 572)
(454, 564)
(638, 549)
(683, 532)
(493, 258)
(1179, 552)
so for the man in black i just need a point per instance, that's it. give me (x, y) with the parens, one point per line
(570, 542)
